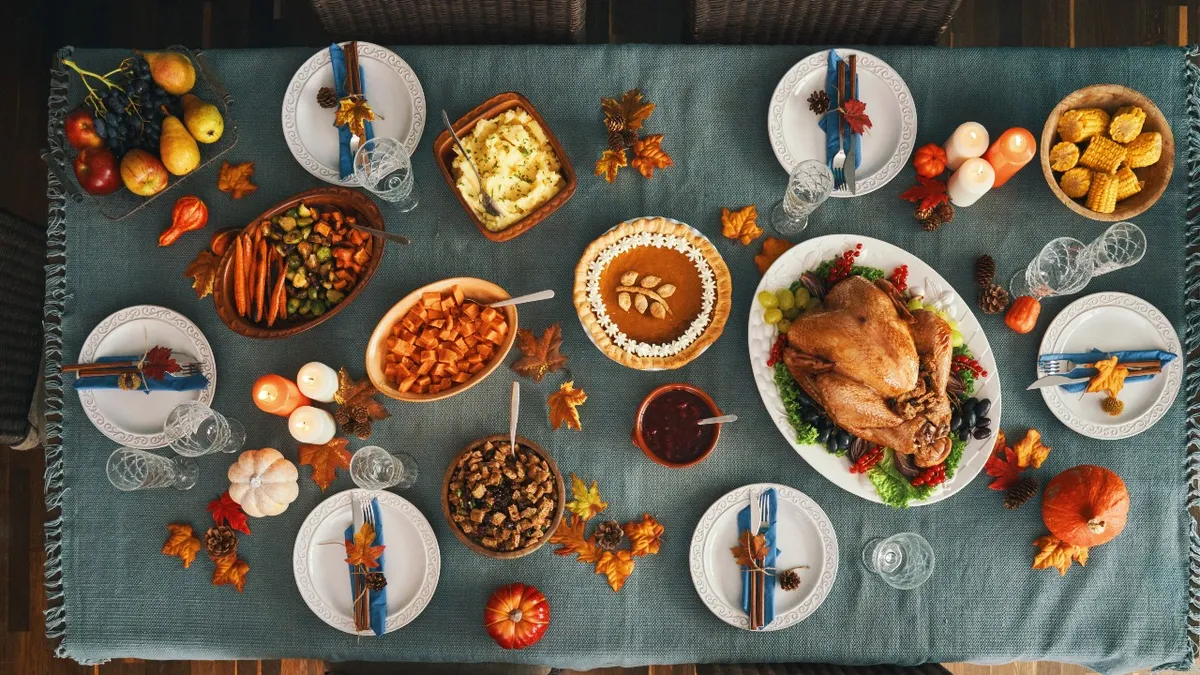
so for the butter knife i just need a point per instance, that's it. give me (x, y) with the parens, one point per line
(852, 88)
(1054, 381)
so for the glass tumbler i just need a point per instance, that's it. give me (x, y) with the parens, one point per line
(383, 166)
(1063, 266)
(809, 185)
(129, 469)
(905, 560)
(194, 429)
(373, 468)
(1121, 245)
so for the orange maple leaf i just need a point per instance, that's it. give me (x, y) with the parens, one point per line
(1111, 377)
(203, 272)
(235, 179)
(741, 225)
(610, 162)
(570, 540)
(564, 406)
(362, 550)
(648, 155)
(617, 566)
(325, 460)
(751, 549)
(1003, 466)
(1053, 552)
(1030, 451)
(540, 356)
(181, 543)
(645, 536)
(230, 570)
(772, 248)
(630, 108)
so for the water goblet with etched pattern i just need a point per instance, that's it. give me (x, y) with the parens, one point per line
(130, 469)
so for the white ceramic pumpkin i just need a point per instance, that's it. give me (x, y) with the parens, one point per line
(263, 482)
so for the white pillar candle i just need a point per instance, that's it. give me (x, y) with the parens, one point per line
(970, 182)
(311, 425)
(969, 140)
(317, 381)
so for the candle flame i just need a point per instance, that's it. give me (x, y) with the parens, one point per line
(267, 393)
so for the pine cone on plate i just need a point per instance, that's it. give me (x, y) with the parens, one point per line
(327, 97)
(993, 299)
(220, 541)
(609, 535)
(985, 270)
(1021, 492)
(789, 580)
(376, 581)
(818, 102)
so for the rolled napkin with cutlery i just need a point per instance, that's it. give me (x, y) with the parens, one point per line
(768, 530)
(169, 382)
(830, 120)
(337, 58)
(376, 598)
(1123, 357)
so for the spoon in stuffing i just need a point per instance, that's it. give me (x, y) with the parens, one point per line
(488, 204)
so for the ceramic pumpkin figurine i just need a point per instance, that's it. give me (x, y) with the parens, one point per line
(1085, 505)
(516, 616)
(263, 482)
(930, 160)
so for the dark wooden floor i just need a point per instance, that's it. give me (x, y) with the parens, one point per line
(41, 26)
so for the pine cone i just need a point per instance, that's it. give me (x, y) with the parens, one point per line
(1112, 405)
(818, 102)
(615, 123)
(341, 417)
(220, 541)
(615, 141)
(608, 535)
(362, 430)
(985, 270)
(790, 580)
(933, 218)
(629, 136)
(376, 581)
(1021, 492)
(359, 413)
(327, 97)
(993, 299)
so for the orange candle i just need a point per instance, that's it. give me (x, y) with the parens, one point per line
(277, 395)
(1010, 152)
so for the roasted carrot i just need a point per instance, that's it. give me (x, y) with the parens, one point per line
(248, 271)
(276, 293)
(239, 282)
(260, 295)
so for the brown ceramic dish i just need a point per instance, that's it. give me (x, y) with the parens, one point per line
(346, 200)
(443, 152)
(640, 440)
(555, 518)
(1109, 97)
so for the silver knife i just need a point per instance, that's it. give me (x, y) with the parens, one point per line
(1054, 381)
(356, 512)
(852, 88)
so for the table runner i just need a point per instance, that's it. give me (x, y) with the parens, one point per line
(119, 597)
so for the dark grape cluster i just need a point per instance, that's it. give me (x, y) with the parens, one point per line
(133, 111)
(971, 419)
(828, 434)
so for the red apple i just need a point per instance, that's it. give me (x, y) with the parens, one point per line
(143, 173)
(81, 130)
(96, 169)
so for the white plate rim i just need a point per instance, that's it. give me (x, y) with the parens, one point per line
(204, 356)
(1051, 343)
(734, 499)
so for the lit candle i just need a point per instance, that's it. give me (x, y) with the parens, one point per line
(317, 381)
(277, 395)
(1010, 152)
(969, 140)
(311, 425)
(970, 182)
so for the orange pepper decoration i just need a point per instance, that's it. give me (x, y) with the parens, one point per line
(1022, 315)
(516, 616)
(930, 160)
(190, 213)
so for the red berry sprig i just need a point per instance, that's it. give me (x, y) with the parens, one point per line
(868, 460)
(776, 354)
(900, 278)
(845, 264)
(934, 475)
(964, 362)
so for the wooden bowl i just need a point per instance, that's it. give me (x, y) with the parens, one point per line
(346, 200)
(554, 519)
(478, 290)
(1109, 97)
(443, 152)
(640, 442)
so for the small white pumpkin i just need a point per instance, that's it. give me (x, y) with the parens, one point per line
(263, 482)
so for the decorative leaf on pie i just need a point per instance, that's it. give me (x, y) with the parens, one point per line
(1110, 378)
(610, 162)
(645, 535)
(203, 272)
(357, 406)
(751, 549)
(158, 362)
(586, 502)
(930, 192)
(362, 551)
(1053, 552)
(230, 570)
(1004, 467)
(325, 460)
(539, 357)
(564, 406)
(225, 511)
(353, 112)
(854, 112)
(630, 108)
(235, 179)
(741, 225)
(570, 539)
(1029, 450)
(181, 543)
(648, 155)
(772, 248)
(616, 566)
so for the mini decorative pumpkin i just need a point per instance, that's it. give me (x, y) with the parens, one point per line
(1086, 505)
(516, 616)
(263, 482)
(930, 160)
(1023, 314)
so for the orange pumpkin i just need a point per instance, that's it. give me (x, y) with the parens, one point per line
(930, 160)
(516, 616)
(1023, 314)
(1085, 505)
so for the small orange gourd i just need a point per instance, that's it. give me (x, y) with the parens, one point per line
(1023, 313)
(1086, 505)
(516, 616)
(930, 160)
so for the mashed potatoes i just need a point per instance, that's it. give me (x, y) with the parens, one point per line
(518, 166)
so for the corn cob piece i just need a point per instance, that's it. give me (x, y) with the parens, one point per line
(1103, 155)
(1145, 149)
(1127, 123)
(1063, 156)
(1128, 184)
(1076, 182)
(1076, 126)
(1102, 196)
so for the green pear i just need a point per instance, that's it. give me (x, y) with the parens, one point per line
(177, 148)
(203, 120)
(172, 71)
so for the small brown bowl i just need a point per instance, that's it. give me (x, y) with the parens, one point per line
(443, 153)
(346, 200)
(1109, 97)
(554, 520)
(640, 441)
(481, 291)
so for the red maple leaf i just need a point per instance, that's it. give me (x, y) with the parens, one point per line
(158, 363)
(225, 511)
(1004, 467)
(929, 191)
(854, 112)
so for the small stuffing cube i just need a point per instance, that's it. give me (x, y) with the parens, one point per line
(1128, 184)
(1145, 149)
(1102, 196)
(431, 300)
(1064, 156)
(1103, 154)
(1076, 126)
(1127, 123)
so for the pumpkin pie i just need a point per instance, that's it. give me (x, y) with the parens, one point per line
(652, 293)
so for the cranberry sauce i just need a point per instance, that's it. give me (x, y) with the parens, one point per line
(669, 426)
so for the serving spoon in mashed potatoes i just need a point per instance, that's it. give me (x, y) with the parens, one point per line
(488, 204)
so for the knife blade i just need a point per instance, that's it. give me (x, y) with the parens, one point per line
(852, 87)
(1054, 381)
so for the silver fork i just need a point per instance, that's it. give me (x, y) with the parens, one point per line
(1064, 366)
(368, 513)
(764, 509)
(839, 160)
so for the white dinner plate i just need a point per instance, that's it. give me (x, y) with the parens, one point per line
(922, 280)
(1113, 322)
(805, 537)
(794, 134)
(412, 561)
(134, 418)
(392, 90)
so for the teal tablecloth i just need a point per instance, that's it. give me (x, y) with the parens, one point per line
(1127, 609)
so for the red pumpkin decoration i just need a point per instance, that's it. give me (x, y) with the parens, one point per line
(516, 616)
(1086, 505)
(1023, 314)
(930, 160)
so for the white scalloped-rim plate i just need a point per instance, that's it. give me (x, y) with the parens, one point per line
(412, 561)
(806, 537)
(132, 418)
(794, 135)
(393, 91)
(922, 279)
(1113, 322)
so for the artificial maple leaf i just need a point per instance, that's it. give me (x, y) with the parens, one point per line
(617, 566)
(325, 460)
(648, 155)
(354, 112)
(741, 225)
(586, 502)
(1053, 552)
(203, 272)
(610, 162)
(751, 549)
(230, 570)
(235, 179)
(630, 108)
(854, 112)
(570, 540)
(225, 511)
(930, 192)
(181, 543)
(1111, 377)
(158, 363)
(1029, 450)
(362, 551)
(358, 406)
(539, 357)
(645, 536)
(564, 406)
(772, 248)
(1004, 467)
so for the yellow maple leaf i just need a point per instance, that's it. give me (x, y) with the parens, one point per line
(741, 225)
(772, 248)
(181, 543)
(1029, 450)
(1053, 552)
(1111, 377)
(355, 113)
(586, 502)
(631, 109)
(645, 536)
(611, 162)
(570, 540)
(648, 155)
(617, 566)
(564, 406)
(230, 570)
(235, 179)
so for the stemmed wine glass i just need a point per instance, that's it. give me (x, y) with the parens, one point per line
(373, 468)
(194, 429)
(809, 185)
(383, 166)
(904, 561)
(1066, 265)
(130, 469)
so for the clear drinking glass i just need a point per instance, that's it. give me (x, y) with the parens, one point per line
(130, 469)
(809, 185)
(1064, 266)
(383, 166)
(1121, 245)
(905, 560)
(373, 468)
(194, 429)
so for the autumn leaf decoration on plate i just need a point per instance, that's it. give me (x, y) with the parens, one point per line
(325, 460)
(357, 406)
(235, 179)
(623, 118)
(540, 356)
(362, 552)
(927, 193)
(225, 511)
(181, 543)
(564, 406)
(1110, 378)
(751, 550)
(741, 225)
(157, 363)
(854, 112)
(772, 248)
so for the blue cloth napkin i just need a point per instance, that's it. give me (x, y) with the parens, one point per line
(168, 383)
(378, 598)
(337, 58)
(1097, 355)
(769, 562)
(829, 121)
